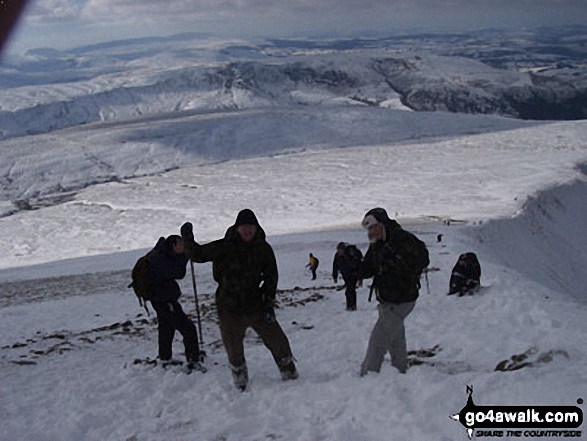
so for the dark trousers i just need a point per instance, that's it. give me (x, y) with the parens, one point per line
(351, 291)
(171, 318)
(313, 273)
(233, 327)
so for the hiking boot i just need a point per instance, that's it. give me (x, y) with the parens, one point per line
(240, 376)
(165, 363)
(288, 370)
(196, 366)
(289, 374)
(194, 358)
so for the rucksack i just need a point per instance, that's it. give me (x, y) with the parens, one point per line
(417, 259)
(421, 258)
(142, 283)
(354, 256)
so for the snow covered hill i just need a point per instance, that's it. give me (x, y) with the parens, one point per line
(192, 73)
(133, 139)
(67, 352)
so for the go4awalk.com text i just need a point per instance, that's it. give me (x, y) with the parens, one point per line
(520, 421)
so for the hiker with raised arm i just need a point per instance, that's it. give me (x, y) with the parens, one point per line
(244, 266)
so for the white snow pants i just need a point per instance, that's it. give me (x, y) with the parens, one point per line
(388, 335)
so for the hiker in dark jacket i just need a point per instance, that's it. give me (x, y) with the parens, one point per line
(347, 262)
(395, 260)
(168, 264)
(244, 266)
(466, 275)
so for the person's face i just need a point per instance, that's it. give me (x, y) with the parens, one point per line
(246, 232)
(376, 232)
(178, 248)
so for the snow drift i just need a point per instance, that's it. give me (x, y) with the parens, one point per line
(550, 237)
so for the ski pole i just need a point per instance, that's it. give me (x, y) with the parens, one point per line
(197, 305)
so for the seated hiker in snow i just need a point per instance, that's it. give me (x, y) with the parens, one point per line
(347, 261)
(313, 265)
(244, 266)
(466, 275)
(168, 264)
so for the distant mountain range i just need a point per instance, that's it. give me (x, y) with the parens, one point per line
(528, 74)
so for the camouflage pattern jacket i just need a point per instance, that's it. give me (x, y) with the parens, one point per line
(246, 273)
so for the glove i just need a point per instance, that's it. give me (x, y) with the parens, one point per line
(187, 231)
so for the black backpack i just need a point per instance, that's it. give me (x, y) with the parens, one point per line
(422, 258)
(142, 283)
(354, 256)
(418, 258)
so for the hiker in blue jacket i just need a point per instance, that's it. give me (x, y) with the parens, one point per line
(168, 264)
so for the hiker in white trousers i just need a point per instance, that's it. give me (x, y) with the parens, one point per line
(395, 260)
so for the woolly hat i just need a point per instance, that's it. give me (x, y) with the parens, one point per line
(246, 217)
(376, 216)
(341, 246)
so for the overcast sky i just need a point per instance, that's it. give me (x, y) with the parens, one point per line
(70, 23)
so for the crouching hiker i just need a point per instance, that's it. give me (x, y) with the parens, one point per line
(466, 275)
(244, 266)
(395, 259)
(168, 264)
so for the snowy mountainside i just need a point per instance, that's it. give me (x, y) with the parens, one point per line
(479, 169)
(72, 351)
(79, 206)
(38, 169)
(131, 80)
(550, 237)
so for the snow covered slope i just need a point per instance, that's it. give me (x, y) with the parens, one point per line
(79, 205)
(67, 351)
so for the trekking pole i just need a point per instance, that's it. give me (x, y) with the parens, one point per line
(197, 305)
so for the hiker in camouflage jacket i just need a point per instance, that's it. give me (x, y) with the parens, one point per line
(244, 266)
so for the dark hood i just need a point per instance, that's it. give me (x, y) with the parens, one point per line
(380, 214)
(232, 235)
(161, 246)
(245, 217)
